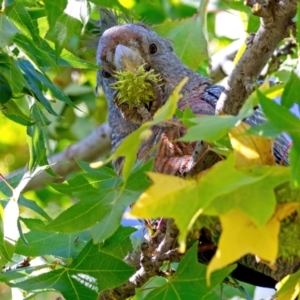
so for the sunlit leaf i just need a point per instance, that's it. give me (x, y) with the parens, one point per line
(53, 10)
(248, 238)
(68, 59)
(289, 287)
(209, 193)
(248, 197)
(21, 17)
(250, 150)
(64, 28)
(13, 112)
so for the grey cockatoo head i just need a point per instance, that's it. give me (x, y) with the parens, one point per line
(129, 46)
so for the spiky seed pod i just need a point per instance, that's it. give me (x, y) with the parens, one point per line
(134, 87)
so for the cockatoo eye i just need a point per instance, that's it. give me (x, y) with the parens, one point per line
(152, 48)
(106, 74)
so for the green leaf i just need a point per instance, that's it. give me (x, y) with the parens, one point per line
(90, 182)
(6, 92)
(191, 44)
(284, 120)
(35, 53)
(3, 252)
(7, 30)
(189, 281)
(5, 190)
(265, 130)
(53, 10)
(48, 243)
(69, 283)
(103, 201)
(31, 204)
(213, 128)
(93, 270)
(280, 116)
(268, 178)
(37, 149)
(68, 59)
(83, 214)
(288, 288)
(39, 116)
(65, 27)
(220, 183)
(11, 72)
(115, 4)
(13, 112)
(295, 162)
(291, 93)
(237, 5)
(40, 78)
(119, 244)
(209, 128)
(16, 274)
(104, 265)
(134, 186)
(18, 13)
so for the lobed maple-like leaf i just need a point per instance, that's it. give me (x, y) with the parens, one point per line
(221, 189)
(95, 268)
(247, 237)
(189, 280)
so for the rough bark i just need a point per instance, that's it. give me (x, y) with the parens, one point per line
(276, 24)
(151, 259)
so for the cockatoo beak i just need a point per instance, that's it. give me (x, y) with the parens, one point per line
(127, 59)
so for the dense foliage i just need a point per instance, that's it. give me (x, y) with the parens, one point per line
(67, 237)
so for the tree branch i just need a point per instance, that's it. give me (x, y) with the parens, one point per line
(222, 61)
(151, 260)
(95, 145)
(276, 24)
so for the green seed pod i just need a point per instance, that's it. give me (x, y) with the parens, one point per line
(134, 87)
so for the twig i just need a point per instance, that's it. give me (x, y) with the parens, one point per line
(276, 24)
(151, 261)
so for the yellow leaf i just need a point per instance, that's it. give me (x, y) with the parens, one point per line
(163, 199)
(289, 287)
(250, 150)
(240, 236)
(283, 210)
(165, 185)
